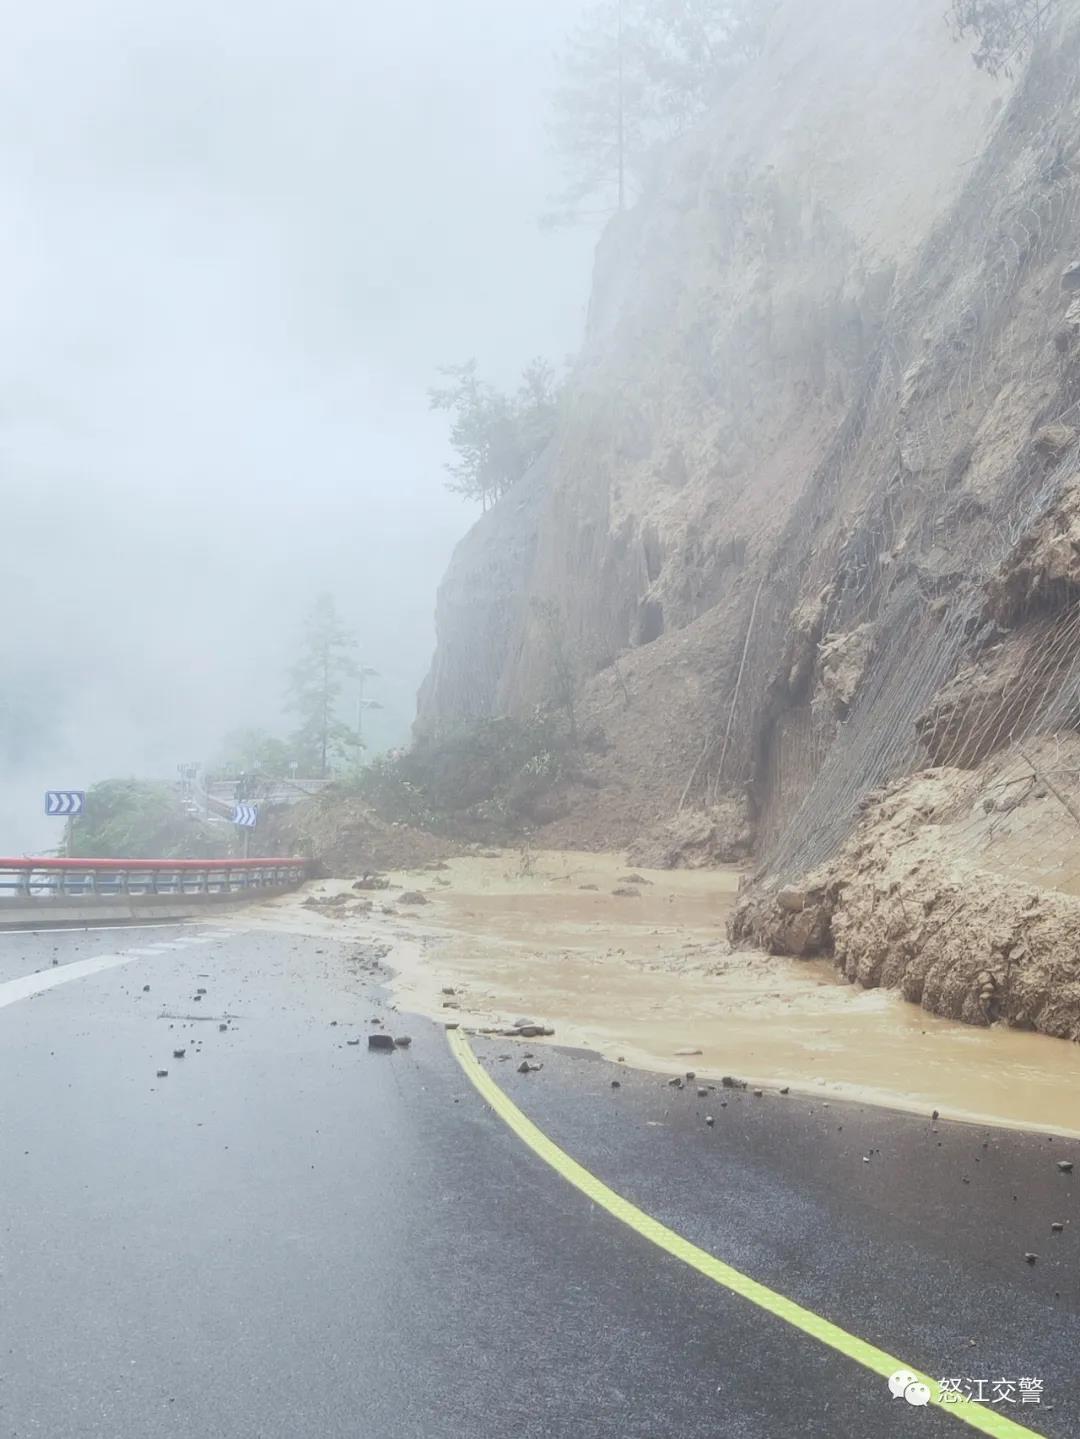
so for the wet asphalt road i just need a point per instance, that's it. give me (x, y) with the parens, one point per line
(290, 1236)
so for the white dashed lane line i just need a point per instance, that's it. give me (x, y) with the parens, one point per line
(29, 985)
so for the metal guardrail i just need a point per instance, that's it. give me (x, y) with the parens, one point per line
(56, 878)
(216, 801)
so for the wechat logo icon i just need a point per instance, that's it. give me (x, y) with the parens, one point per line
(910, 1386)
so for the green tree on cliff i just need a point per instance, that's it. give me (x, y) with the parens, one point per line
(495, 436)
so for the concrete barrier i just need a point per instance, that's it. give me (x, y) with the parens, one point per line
(74, 913)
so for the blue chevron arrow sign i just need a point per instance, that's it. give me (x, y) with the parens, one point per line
(64, 801)
(246, 815)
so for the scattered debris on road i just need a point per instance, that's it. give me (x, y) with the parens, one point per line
(370, 881)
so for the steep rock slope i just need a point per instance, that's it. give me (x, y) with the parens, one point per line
(736, 312)
(806, 521)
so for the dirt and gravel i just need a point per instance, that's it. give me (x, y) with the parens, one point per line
(344, 835)
(518, 941)
(930, 895)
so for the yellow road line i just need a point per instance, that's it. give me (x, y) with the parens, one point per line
(976, 1416)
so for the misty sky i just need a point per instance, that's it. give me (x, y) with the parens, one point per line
(238, 241)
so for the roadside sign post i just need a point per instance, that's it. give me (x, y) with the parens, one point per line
(247, 817)
(67, 803)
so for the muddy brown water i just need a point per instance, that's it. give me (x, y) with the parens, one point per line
(648, 978)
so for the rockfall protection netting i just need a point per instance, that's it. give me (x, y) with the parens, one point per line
(910, 561)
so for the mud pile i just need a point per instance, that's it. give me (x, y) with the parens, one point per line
(918, 899)
(345, 836)
(695, 838)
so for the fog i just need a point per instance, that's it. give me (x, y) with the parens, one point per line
(239, 241)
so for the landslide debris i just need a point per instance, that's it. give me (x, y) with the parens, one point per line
(697, 838)
(347, 836)
(913, 902)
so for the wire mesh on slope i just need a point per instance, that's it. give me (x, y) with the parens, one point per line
(914, 563)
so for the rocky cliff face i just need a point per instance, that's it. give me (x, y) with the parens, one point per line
(829, 386)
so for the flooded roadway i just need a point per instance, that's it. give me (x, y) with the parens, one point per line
(648, 977)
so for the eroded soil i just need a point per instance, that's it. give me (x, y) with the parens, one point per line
(647, 976)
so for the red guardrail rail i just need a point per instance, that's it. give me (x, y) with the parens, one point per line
(52, 862)
(50, 878)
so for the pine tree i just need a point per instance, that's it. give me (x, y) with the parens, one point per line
(315, 686)
(636, 73)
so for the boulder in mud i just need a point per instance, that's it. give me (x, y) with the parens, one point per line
(795, 920)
